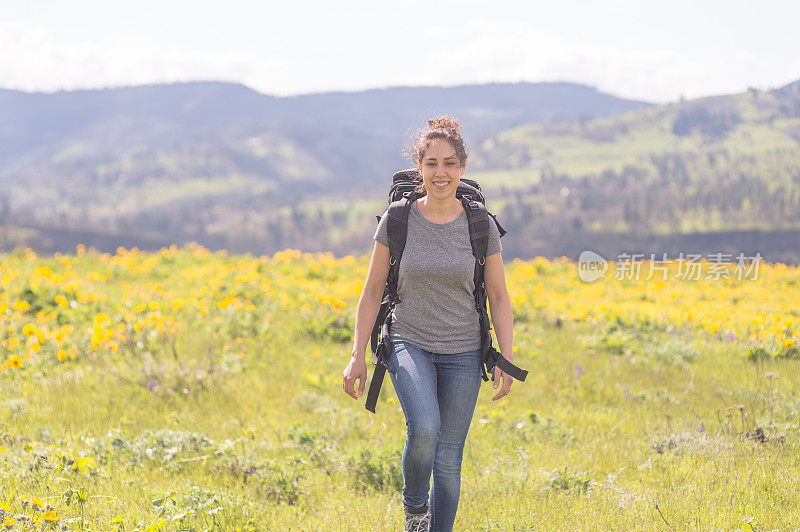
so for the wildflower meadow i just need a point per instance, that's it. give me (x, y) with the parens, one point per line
(194, 390)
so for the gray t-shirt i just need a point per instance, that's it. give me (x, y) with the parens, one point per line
(436, 310)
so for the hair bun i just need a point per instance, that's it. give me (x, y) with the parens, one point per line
(445, 122)
(442, 127)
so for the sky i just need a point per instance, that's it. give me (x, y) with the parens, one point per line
(653, 51)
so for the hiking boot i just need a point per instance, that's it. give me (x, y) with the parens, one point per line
(417, 522)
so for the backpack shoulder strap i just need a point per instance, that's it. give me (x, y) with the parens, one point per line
(478, 220)
(397, 226)
(397, 231)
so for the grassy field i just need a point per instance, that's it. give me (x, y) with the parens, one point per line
(188, 390)
(579, 149)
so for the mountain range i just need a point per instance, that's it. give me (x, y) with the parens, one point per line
(565, 166)
(212, 161)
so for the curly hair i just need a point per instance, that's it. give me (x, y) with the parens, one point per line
(442, 127)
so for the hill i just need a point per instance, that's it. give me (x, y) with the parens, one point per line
(201, 161)
(725, 168)
(225, 166)
(86, 126)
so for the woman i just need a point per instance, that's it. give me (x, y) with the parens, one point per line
(435, 333)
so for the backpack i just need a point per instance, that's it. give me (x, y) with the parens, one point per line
(401, 195)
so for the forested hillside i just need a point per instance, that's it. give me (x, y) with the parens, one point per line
(224, 165)
(722, 163)
(261, 174)
(718, 174)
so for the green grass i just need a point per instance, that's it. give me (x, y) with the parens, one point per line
(631, 139)
(493, 181)
(615, 429)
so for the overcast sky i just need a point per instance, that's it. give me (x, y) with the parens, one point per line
(656, 51)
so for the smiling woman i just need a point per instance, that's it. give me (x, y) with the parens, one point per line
(437, 148)
(441, 171)
(435, 332)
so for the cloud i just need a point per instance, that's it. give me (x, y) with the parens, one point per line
(311, 55)
(31, 59)
(507, 50)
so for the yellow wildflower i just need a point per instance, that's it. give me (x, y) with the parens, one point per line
(101, 318)
(61, 301)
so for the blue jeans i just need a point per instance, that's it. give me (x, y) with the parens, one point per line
(438, 395)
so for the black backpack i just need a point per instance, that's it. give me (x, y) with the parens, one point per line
(401, 195)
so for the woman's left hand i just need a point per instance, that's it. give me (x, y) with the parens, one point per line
(502, 318)
(506, 379)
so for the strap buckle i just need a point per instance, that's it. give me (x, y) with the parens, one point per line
(382, 355)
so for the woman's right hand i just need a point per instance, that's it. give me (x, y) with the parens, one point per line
(369, 304)
(356, 370)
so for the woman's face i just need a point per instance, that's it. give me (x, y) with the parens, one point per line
(441, 170)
